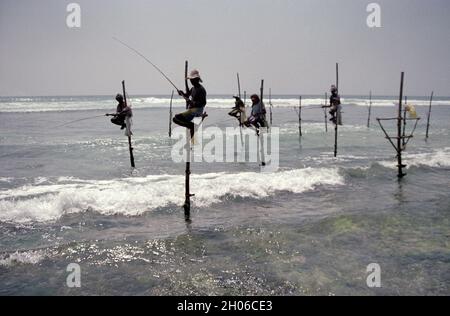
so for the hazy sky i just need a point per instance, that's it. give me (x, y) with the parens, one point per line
(292, 44)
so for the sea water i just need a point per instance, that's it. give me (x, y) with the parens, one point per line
(68, 195)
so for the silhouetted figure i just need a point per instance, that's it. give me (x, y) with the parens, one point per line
(196, 98)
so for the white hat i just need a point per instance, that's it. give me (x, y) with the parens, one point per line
(194, 74)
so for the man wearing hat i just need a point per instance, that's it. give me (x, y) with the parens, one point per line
(196, 98)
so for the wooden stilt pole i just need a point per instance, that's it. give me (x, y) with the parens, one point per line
(262, 90)
(263, 163)
(401, 137)
(170, 116)
(187, 201)
(130, 147)
(370, 109)
(300, 116)
(240, 117)
(239, 85)
(263, 157)
(429, 116)
(337, 115)
(399, 131)
(335, 139)
(404, 124)
(270, 105)
(325, 113)
(337, 76)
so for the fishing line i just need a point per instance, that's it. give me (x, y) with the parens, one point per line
(147, 60)
(312, 108)
(83, 119)
(308, 108)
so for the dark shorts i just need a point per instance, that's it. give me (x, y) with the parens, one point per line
(190, 114)
(118, 120)
(257, 121)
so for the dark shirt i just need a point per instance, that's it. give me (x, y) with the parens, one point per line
(124, 110)
(198, 97)
(120, 107)
(335, 99)
(258, 109)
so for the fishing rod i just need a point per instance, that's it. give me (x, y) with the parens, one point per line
(84, 119)
(147, 60)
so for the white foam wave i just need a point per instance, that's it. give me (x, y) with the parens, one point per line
(134, 196)
(108, 104)
(25, 257)
(437, 159)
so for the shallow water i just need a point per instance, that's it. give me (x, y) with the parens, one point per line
(68, 195)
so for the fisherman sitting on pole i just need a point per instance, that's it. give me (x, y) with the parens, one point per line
(335, 104)
(239, 111)
(196, 99)
(122, 112)
(258, 116)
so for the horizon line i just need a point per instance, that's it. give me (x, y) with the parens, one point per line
(216, 94)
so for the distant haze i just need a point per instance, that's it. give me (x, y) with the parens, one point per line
(293, 45)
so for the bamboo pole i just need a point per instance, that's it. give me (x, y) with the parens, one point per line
(240, 117)
(399, 130)
(370, 109)
(170, 116)
(386, 133)
(325, 112)
(429, 116)
(337, 76)
(187, 201)
(262, 90)
(404, 123)
(300, 116)
(239, 85)
(337, 115)
(130, 147)
(335, 138)
(270, 105)
(263, 163)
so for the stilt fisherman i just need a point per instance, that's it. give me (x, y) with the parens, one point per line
(196, 98)
(123, 112)
(239, 111)
(335, 106)
(258, 115)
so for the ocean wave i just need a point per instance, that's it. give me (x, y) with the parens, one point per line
(24, 257)
(437, 159)
(135, 196)
(85, 104)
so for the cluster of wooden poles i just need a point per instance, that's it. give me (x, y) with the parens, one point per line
(399, 141)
